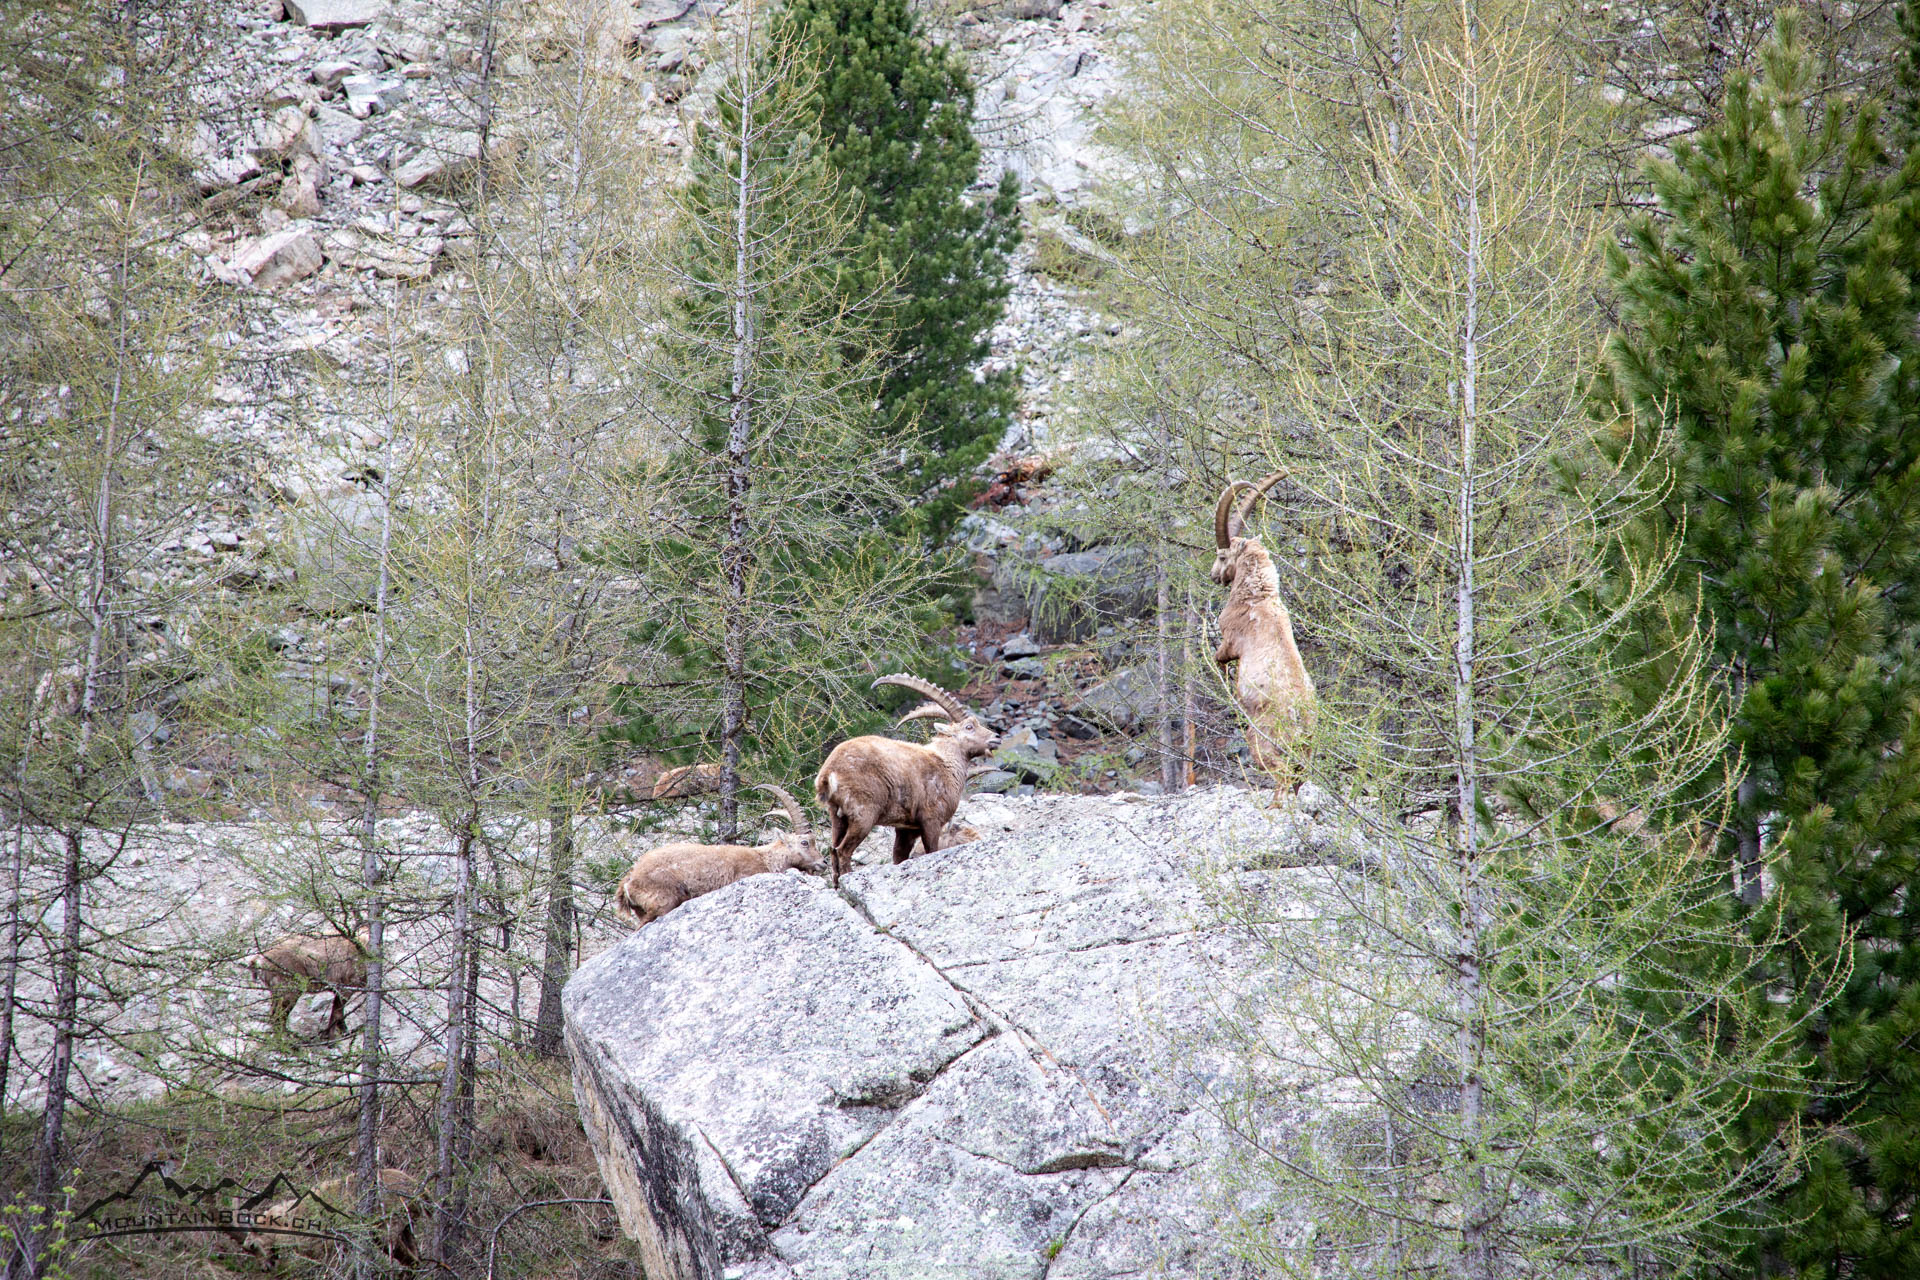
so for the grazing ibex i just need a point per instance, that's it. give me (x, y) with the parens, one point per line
(661, 879)
(871, 781)
(304, 962)
(1271, 683)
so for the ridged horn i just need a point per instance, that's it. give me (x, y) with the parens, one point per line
(1255, 492)
(926, 689)
(925, 711)
(796, 816)
(1222, 534)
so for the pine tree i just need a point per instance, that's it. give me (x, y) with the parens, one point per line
(785, 589)
(1906, 80)
(897, 114)
(1770, 330)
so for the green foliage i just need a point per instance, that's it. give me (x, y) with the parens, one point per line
(1906, 91)
(896, 110)
(1771, 332)
(1381, 283)
(783, 592)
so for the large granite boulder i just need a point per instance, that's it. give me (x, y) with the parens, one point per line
(959, 1067)
(1067, 597)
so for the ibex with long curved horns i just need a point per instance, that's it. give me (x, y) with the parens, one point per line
(1270, 682)
(663, 878)
(871, 781)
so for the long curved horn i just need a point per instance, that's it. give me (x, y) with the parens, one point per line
(925, 711)
(796, 816)
(928, 690)
(1254, 493)
(1222, 533)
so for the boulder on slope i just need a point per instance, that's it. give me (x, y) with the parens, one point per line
(958, 1067)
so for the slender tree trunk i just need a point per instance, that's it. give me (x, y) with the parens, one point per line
(1163, 676)
(452, 1116)
(448, 1145)
(16, 880)
(47, 1180)
(503, 918)
(1747, 833)
(455, 1202)
(1189, 705)
(373, 874)
(735, 555)
(1476, 1256)
(66, 961)
(547, 1028)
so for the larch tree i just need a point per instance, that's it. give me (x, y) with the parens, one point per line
(1380, 237)
(103, 367)
(1770, 328)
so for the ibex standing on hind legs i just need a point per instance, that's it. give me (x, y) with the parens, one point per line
(1271, 684)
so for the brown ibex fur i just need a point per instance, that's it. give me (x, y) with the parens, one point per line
(871, 781)
(399, 1206)
(663, 878)
(1270, 683)
(304, 962)
(687, 781)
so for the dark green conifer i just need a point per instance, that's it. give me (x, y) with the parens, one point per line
(1770, 332)
(897, 113)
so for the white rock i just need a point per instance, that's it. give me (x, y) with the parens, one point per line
(338, 128)
(328, 75)
(288, 132)
(308, 1021)
(334, 15)
(844, 1130)
(367, 94)
(286, 255)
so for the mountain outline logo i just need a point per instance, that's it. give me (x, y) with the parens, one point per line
(289, 1209)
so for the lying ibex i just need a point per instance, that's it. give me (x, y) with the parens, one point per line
(871, 781)
(260, 1230)
(304, 962)
(1271, 684)
(687, 781)
(661, 879)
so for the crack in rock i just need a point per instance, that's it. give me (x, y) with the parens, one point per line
(883, 1124)
(1066, 1238)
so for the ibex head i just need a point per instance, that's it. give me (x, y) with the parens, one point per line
(798, 839)
(960, 725)
(1227, 522)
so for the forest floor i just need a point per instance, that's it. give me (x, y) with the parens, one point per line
(528, 1150)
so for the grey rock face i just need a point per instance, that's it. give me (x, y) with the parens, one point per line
(1071, 595)
(994, 781)
(1028, 756)
(281, 258)
(333, 545)
(730, 1054)
(368, 94)
(1125, 702)
(334, 15)
(956, 1068)
(1020, 646)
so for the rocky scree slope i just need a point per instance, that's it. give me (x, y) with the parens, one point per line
(978, 1064)
(331, 143)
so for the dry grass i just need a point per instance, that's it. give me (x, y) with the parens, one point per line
(529, 1148)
